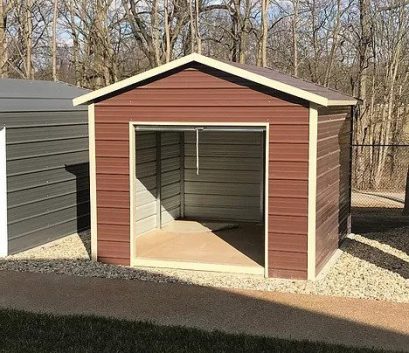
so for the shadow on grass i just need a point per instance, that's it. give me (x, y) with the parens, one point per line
(194, 306)
(27, 332)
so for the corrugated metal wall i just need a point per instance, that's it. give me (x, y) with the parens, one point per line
(146, 178)
(333, 181)
(230, 181)
(47, 176)
(171, 176)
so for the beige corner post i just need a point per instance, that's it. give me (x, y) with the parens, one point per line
(132, 182)
(92, 180)
(312, 189)
(266, 196)
(3, 194)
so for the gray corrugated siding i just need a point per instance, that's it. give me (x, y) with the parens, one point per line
(229, 184)
(146, 217)
(145, 189)
(47, 176)
(170, 179)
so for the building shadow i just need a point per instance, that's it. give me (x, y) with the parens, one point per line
(377, 257)
(232, 311)
(81, 173)
(377, 219)
(385, 225)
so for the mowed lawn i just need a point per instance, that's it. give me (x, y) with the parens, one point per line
(27, 332)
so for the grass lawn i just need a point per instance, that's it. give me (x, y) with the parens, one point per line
(27, 332)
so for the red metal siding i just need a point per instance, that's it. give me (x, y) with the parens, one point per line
(333, 168)
(203, 95)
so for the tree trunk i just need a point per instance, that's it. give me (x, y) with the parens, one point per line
(54, 41)
(167, 32)
(264, 32)
(155, 31)
(28, 37)
(192, 27)
(198, 36)
(334, 44)
(362, 121)
(3, 39)
(294, 28)
(75, 47)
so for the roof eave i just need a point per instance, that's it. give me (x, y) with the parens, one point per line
(342, 102)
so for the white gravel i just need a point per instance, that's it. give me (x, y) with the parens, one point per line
(373, 266)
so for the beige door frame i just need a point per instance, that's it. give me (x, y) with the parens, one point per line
(132, 180)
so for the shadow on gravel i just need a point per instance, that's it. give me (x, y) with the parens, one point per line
(377, 257)
(86, 240)
(382, 225)
(369, 220)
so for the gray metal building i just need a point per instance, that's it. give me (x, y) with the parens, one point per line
(44, 179)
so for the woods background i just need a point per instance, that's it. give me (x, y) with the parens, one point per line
(359, 47)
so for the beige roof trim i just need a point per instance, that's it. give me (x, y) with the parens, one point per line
(274, 84)
(332, 102)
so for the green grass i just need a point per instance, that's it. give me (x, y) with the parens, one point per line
(27, 332)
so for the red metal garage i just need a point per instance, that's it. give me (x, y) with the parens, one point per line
(257, 161)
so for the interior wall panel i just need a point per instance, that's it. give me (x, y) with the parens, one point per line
(243, 152)
(170, 178)
(145, 188)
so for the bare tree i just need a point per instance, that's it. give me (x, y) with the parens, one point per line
(262, 56)
(54, 41)
(294, 30)
(28, 38)
(5, 8)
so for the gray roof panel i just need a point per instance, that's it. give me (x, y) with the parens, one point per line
(29, 95)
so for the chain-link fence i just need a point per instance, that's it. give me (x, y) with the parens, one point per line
(379, 183)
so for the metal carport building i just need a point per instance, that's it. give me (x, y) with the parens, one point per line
(180, 149)
(44, 191)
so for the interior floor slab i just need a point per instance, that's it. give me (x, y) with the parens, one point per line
(234, 244)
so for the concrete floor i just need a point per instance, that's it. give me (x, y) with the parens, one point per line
(201, 242)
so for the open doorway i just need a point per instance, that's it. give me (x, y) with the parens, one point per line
(198, 197)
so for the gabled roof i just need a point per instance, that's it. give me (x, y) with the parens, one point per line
(264, 76)
(30, 95)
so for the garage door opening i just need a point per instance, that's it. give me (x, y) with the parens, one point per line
(198, 197)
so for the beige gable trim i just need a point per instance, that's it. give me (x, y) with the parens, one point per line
(225, 67)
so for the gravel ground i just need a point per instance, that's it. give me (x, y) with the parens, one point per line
(374, 266)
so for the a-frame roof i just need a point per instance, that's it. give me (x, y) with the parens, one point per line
(263, 76)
